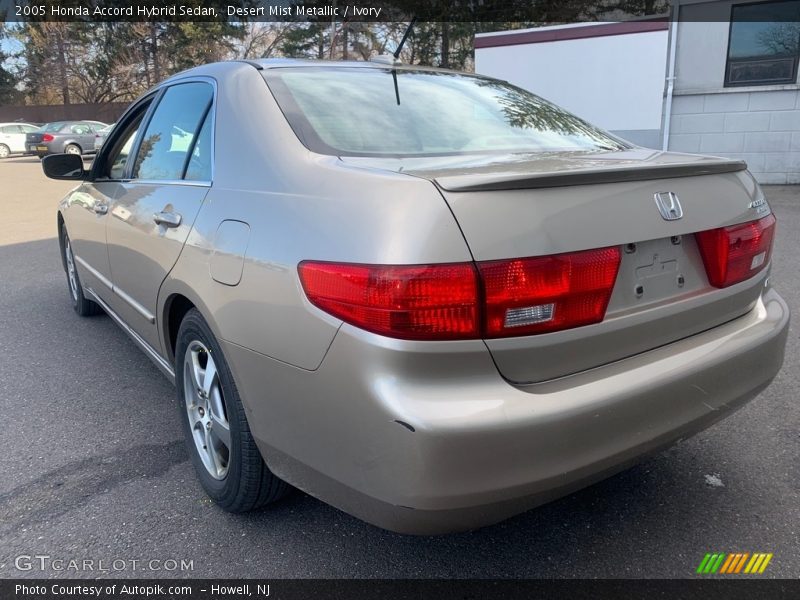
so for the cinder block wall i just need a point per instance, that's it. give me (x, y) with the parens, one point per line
(761, 127)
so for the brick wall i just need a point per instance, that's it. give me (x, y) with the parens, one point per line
(761, 127)
(107, 113)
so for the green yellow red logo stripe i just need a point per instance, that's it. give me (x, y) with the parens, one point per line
(731, 563)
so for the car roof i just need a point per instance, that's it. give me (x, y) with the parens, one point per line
(282, 63)
(279, 63)
(276, 63)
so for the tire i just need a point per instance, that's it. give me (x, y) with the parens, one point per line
(81, 305)
(5, 151)
(218, 439)
(72, 149)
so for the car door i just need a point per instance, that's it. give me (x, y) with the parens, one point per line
(13, 137)
(6, 136)
(152, 215)
(83, 135)
(87, 137)
(86, 208)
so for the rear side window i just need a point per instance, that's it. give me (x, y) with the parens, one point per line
(81, 129)
(164, 150)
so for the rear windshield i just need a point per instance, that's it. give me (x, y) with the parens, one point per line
(396, 112)
(52, 127)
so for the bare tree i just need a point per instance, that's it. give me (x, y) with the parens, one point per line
(780, 38)
(261, 40)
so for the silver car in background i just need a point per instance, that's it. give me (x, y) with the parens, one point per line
(70, 137)
(431, 299)
(101, 135)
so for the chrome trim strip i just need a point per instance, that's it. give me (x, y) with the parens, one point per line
(97, 274)
(150, 317)
(184, 182)
(159, 361)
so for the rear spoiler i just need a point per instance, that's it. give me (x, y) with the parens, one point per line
(484, 182)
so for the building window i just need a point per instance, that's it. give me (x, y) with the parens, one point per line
(763, 43)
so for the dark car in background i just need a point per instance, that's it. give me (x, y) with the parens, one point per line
(70, 137)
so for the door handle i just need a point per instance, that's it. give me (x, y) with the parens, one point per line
(100, 208)
(167, 219)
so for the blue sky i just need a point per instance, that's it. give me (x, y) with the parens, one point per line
(8, 46)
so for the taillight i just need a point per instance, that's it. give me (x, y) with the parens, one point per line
(733, 254)
(429, 302)
(47, 137)
(550, 293)
(455, 301)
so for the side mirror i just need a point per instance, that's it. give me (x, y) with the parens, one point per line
(64, 166)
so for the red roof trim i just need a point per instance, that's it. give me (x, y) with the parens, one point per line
(571, 33)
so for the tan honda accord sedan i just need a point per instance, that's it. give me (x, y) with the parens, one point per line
(431, 299)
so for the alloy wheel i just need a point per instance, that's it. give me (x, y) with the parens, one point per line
(205, 409)
(73, 280)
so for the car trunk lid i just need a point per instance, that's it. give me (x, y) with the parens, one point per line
(525, 206)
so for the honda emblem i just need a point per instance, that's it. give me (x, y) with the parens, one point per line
(669, 206)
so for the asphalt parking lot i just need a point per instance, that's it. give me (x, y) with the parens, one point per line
(93, 464)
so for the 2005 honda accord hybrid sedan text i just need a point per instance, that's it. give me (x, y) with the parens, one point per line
(431, 299)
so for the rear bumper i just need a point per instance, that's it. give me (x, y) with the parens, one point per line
(430, 439)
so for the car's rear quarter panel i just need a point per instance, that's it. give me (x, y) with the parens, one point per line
(298, 207)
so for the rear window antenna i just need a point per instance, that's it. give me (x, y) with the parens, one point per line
(394, 58)
(405, 37)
